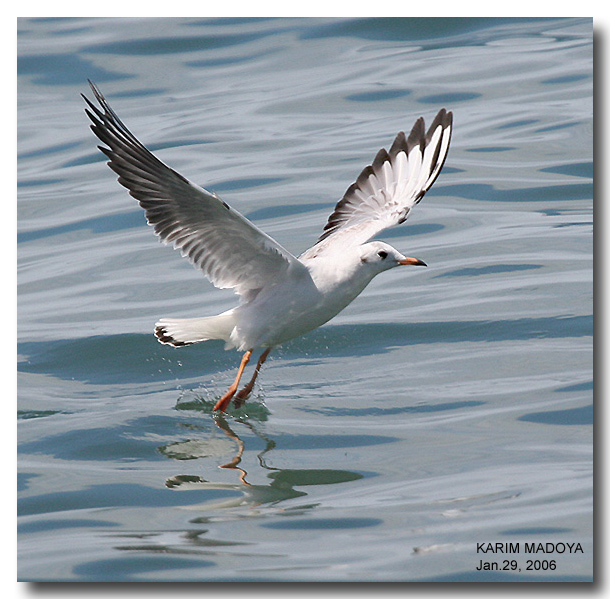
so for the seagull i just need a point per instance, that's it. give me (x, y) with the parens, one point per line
(281, 296)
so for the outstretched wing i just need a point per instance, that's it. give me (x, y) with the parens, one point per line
(226, 246)
(385, 191)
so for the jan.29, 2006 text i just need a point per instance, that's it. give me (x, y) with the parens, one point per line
(545, 555)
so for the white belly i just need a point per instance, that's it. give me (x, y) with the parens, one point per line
(300, 303)
(283, 314)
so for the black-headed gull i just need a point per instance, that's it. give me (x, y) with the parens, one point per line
(281, 296)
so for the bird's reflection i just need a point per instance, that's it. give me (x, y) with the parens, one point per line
(218, 500)
(280, 484)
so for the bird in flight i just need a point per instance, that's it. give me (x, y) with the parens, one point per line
(281, 296)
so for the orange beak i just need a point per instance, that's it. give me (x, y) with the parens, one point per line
(412, 262)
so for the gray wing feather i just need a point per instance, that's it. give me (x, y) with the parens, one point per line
(227, 247)
(385, 191)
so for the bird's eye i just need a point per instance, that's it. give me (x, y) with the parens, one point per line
(382, 254)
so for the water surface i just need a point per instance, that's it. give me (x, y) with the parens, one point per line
(447, 406)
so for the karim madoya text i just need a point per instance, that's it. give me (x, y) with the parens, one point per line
(529, 547)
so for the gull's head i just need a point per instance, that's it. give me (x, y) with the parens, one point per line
(379, 256)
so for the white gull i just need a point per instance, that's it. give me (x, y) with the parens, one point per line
(281, 296)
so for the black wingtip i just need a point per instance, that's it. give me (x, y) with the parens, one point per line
(417, 135)
(94, 88)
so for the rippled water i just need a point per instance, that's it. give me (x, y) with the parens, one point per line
(446, 407)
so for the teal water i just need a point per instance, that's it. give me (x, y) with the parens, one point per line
(445, 407)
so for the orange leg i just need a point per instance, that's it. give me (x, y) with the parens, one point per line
(245, 392)
(224, 401)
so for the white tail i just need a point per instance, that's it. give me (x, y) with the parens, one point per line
(184, 331)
